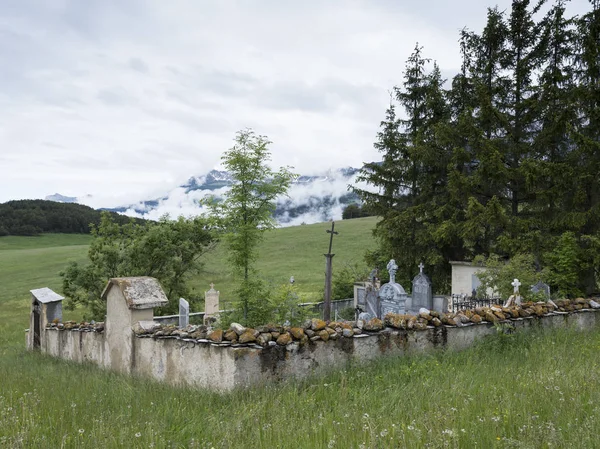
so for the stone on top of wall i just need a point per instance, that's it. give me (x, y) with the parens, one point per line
(84, 326)
(139, 292)
(314, 330)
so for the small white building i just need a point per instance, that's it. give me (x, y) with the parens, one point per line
(46, 306)
(464, 278)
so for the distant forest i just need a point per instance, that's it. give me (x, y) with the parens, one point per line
(33, 217)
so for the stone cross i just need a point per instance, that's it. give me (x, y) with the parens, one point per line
(421, 266)
(516, 284)
(184, 313)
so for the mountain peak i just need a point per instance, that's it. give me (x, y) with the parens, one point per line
(61, 198)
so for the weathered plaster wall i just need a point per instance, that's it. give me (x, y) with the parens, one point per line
(180, 362)
(119, 337)
(278, 363)
(75, 345)
(208, 365)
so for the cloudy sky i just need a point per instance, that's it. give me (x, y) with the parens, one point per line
(126, 99)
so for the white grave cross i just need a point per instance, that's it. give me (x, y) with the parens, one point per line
(516, 284)
(421, 266)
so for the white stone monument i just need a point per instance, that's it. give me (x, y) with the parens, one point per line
(211, 302)
(392, 297)
(515, 298)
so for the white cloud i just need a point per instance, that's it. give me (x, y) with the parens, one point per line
(127, 98)
(311, 202)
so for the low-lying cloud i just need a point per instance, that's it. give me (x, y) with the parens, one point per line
(313, 201)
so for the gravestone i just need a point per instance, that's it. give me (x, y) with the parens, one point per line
(211, 302)
(515, 298)
(360, 296)
(440, 303)
(372, 302)
(422, 292)
(541, 287)
(516, 284)
(391, 296)
(366, 295)
(184, 313)
(392, 299)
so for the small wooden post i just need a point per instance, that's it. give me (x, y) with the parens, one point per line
(328, 270)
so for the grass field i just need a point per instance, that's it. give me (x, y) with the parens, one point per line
(296, 251)
(32, 262)
(539, 389)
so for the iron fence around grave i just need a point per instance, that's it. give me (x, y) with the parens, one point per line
(462, 302)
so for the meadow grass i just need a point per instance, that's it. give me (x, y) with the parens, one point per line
(536, 389)
(295, 251)
(539, 390)
(43, 241)
(32, 262)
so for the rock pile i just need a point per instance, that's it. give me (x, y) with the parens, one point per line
(263, 336)
(314, 330)
(84, 326)
(493, 314)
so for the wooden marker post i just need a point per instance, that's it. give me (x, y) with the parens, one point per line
(328, 270)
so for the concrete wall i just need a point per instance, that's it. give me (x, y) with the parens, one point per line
(207, 365)
(119, 337)
(180, 362)
(75, 345)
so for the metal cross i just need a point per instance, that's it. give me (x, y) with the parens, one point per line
(421, 266)
(331, 237)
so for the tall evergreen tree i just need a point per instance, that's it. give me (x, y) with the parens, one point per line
(412, 176)
(584, 201)
(485, 177)
(507, 160)
(548, 174)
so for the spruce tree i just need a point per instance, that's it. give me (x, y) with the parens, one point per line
(411, 180)
(583, 205)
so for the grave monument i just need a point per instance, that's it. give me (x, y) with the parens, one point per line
(392, 296)
(422, 292)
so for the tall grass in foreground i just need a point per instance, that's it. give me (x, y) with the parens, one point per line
(536, 389)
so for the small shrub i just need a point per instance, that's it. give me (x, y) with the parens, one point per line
(347, 313)
(344, 279)
(269, 304)
(499, 275)
(565, 265)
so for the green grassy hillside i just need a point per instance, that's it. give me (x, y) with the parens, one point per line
(43, 241)
(296, 251)
(33, 262)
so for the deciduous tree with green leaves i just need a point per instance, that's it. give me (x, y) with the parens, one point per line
(169, 250)
(245, 212)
